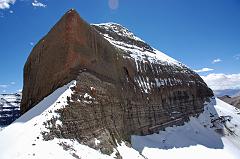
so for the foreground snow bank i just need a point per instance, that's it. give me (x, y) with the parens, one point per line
(23, 138)
(1, 128)
(214, 134)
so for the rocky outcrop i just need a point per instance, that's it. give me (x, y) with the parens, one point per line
(124, 86)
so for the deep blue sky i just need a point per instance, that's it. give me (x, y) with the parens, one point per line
(194, 32)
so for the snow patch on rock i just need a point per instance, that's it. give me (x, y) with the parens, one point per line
(135, 52)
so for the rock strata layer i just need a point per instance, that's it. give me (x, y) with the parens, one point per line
(118, 93)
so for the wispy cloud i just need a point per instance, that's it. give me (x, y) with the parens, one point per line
(3, 85)
(35, 3)
(12, 83)
(216, 60)
(237, 57)
(5, 4)
(222, 81)
(204, 70)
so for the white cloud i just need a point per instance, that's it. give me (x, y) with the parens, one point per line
(5, 4)
(12, 83)
(35, 3)
(216, 60)
(20, 90)
(237, 57)
(222, 81)
(11, 11)
(204, 70)
(3, 86)
(31, 43)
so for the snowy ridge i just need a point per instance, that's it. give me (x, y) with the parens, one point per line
(119, 29)
(23, 139)
(215, 133)
(139, 52)
(27, 130)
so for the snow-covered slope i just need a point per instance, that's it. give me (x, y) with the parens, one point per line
(23, 139)
(215, 133)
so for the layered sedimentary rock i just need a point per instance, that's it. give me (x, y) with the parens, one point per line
(124, 86)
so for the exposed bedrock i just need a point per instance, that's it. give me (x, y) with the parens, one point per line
(116, 96)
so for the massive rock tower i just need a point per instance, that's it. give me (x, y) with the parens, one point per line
(124, 86)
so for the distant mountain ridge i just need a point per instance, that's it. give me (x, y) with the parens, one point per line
(9, 108)
(235, 101)
(229, 92)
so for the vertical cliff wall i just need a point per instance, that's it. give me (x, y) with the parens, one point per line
(124, 86)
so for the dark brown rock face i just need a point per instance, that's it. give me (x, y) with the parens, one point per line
(116, 96)
(70, 45)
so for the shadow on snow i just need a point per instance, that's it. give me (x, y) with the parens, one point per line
(198, 131)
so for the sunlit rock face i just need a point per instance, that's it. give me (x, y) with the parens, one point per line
(124, 86)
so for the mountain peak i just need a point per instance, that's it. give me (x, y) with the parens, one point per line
(71, 44)
(119, 29)
(123, 86)
(72, 11)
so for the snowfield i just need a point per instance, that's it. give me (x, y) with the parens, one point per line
(23, 138)
(213, 134)
(1, 128)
